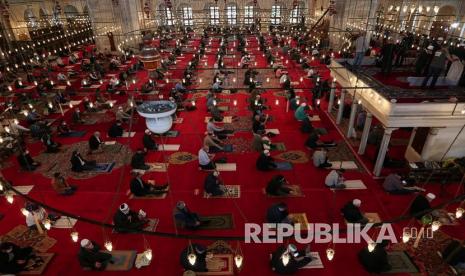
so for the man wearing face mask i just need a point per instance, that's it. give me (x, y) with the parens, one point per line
(91, 257)
(13, 259)
(214, 185)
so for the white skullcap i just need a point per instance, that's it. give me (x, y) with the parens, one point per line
(430, 47)
(430, 196)
(292, 248)
(303, 104)
(124, 208)
(84, 242)
(266, 152)
(315, 52)
(147, 131)
(440, 38)
(357, 202)
(265, 138)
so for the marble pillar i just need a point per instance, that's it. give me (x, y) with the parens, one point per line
(353, 112)
(340, 110)
(382, 151)
(366, 132)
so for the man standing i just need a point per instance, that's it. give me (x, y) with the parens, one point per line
(359, 50)
(438, 63)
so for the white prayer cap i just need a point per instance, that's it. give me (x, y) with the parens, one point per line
(216, 173)
(315, 52)
(265, 138)
(303, 104)
(266, 152)
(124, 208)
(441, 38)
(292, 248)
(120, 108)
(357, 202)
(430, 47)
(430, 196)
(147, 131)
(85, 242)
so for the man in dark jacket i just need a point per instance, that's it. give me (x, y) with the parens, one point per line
(297, 259)
(278, 213)
(377, 260)
(141, 188)
(91, 257)
(13, 259)
(213, 185)
(185, 218)
(116, 130)
(265, 162)
(26, 162)
(128, 221)
(278, 186)
(352, 214)
(95, 142)
(148, 142)
(138, 160)
(79, 164)
(420, 204)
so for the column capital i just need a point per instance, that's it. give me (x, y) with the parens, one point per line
(389, 130)
(434, 131)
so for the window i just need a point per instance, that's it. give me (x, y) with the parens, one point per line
(187, 16)
(248, 15)
(275, 15)
(168, 17)
(231, 15)
(295, 14)
(214, 15)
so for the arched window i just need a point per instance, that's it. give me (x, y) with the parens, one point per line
(187, 16)
(276, 11)
(231, 14)
(249, 15)
(166, 15)
(296, 13)
(214, 12)
(71, 12)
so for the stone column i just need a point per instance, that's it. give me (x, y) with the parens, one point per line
(353, 112)
(331, 96)
(341, 107)
(366, 131)
(382, 151)
(429, 143)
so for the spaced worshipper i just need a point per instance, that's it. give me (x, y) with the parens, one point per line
(128, 221)
(214, 185)
(351, 212)
(148, 142)
(90, 256)
(297, 259)
(141, 188)
(335, 179)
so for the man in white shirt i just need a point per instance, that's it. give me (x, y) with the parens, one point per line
(320, 158)
(335, 179)
(206, 159)
(359, 50)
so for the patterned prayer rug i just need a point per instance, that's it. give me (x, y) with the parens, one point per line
(60, 162)
(217, 222)
(219, 264)
(342, 152)
(293, 156)
(198, 95)
(401, 263)
(22, 236)
(234, 191)
(240, 144)
(242, 123)
(123, 260)
(37, 264)
(280, 94)
(181, 157)
(93, 118)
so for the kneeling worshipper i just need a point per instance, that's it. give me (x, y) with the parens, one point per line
(278, 186)
(95, 142)
(420, 204)
(454, 254)
(352, 214)
(60, 185)
(13, 259)
(185, 218)
(377, 260)
(335, 179)
(52, 146)
(394, 184)
(128, 221)
(320, 158)
(278, 213)
(301, 112)
(220, 132)
(141, 188)
(26, 162)
(200, 253)
(148, 142)
(265, 162)
(212, 142)
(90, 256)
(138, 160)
(314, 142)
(297, 259)
(116, 130)
(37, 215)
(79, 164)
(213, 185)
(206, 159)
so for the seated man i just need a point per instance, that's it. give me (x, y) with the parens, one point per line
(285, 81)
(297, 259)
(300, 114)
(61, 77)
(213, 185)
(454, 254)
(90, 256)
(394, 184)
(258, 124)
(94, 76)
(278, 213)
(314, 142)
(63, 129)
(320, 158)
(52, 146)
(335, 179)
(141, 188)
(200, 253)
(85, 82)
(79, 164)
(128, 221)
(265, 162)
(213, 143)
(116, 130)
(216, 87)
(95, 142)
(420, 205)
(77, 118)
(352, 214)
(180, 88)
(206, 159)
(121, 115)
(60, 185)
(220, 132)
(36, 216)
(377, 260)
(185, 218)
(148, 142)
(138, 160)
(278, 186)
(13, 259)
(26, 162)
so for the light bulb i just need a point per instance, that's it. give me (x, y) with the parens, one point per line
(459, 212)
(371, 246)
(301, 79)
(24, 212)
(192, 258)
(405, 237)
(1, 186)
(108, 246)
(318, 102)
(276, 102)
(285, 258)
(47, 224)
(167, 80)
(235, 102)
(267, 79)
(148, 254)
(75, 236)
(330, 254)
(9, 198)
(238, 259)
(193, 103)
(435, 225)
